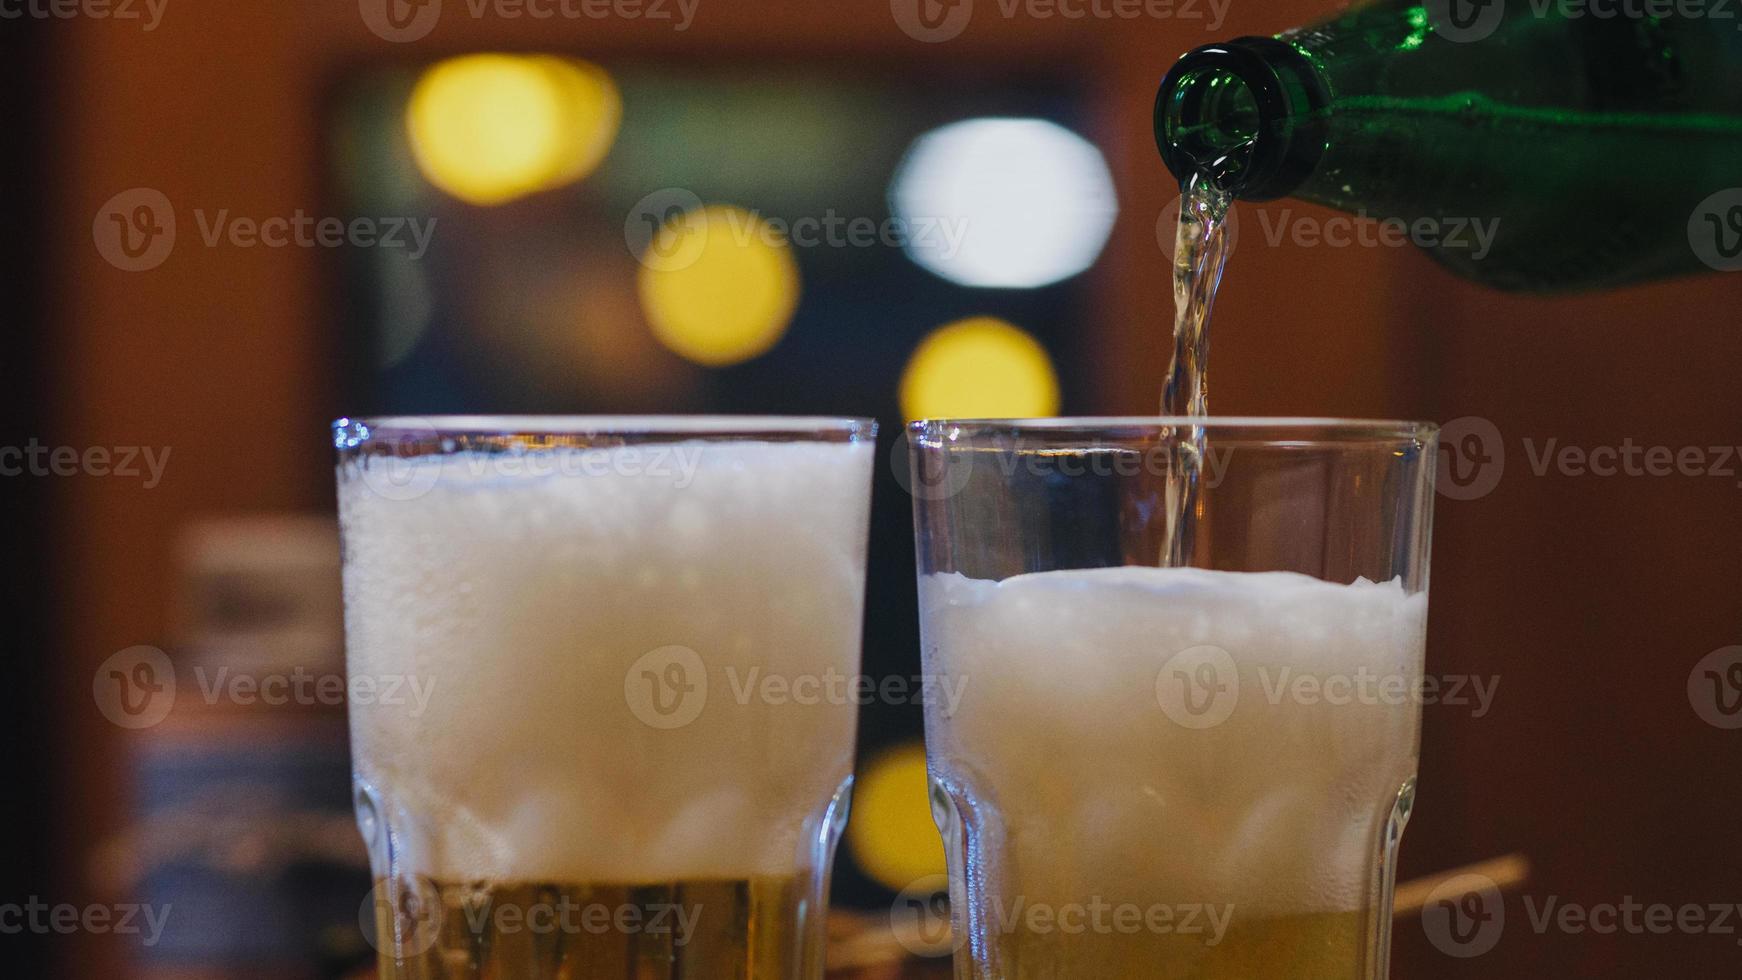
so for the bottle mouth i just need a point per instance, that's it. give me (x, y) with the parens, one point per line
(1247, 114)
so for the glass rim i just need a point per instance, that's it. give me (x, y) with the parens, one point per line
(1327, 427)
(701, 426)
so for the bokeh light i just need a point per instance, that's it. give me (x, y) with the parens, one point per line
(982, 367)
(718, 285)
(489, 128)
(892, 835)
(1024, 202)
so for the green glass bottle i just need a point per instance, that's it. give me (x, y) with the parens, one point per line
(1545, 145)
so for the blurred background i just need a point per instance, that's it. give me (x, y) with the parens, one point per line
(225, 224)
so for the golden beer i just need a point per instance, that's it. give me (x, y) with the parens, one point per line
(693, 930)
(1319, 946)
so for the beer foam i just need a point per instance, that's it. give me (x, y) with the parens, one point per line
(591, 627)
(1177, 736)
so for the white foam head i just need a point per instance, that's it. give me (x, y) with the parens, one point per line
(1152, 735)
(543, 601)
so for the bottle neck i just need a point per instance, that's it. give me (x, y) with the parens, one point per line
(1249, 114)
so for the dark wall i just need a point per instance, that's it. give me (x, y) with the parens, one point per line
(24, 756)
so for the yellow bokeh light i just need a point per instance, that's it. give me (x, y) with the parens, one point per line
(718, 285)
(891, 833)
(489, 128)
(981, 367)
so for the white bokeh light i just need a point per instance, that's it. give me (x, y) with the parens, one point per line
(1012, 203)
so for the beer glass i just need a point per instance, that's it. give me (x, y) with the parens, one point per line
(576, 649)
(1188, 656)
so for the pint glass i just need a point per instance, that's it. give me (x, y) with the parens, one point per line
(573, 759)
(1188, 656)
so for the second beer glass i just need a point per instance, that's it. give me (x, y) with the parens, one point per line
(1193, 767)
